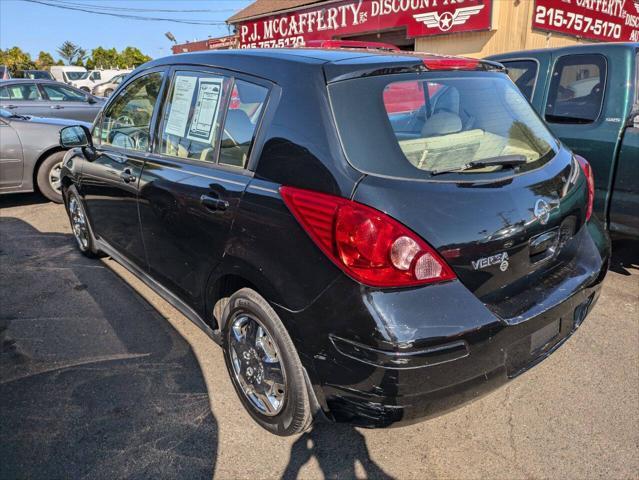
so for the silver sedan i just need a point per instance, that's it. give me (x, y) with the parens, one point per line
(46, 98)
(30, 154)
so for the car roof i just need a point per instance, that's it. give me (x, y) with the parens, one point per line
(30, 80)
(599, 47)
(272, 63)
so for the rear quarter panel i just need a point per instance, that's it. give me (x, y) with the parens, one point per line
(298, 147)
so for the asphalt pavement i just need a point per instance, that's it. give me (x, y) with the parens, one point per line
(100, 378)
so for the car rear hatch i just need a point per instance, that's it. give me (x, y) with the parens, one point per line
(472, 170)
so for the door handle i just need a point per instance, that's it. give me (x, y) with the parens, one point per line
(127, 176)
(213, 203)
(56, 107)
(10, 107)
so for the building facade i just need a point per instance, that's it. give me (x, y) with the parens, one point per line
(474, 28)
(220, 43)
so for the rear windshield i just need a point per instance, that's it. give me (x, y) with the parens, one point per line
(413, 125)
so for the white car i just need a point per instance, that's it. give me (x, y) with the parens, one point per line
(94, 77)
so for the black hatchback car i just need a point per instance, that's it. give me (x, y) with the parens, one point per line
(375, 260)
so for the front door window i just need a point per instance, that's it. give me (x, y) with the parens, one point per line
(126, 122)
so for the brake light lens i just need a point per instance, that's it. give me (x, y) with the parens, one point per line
(366, 244)
(590, 180)
(450, 63)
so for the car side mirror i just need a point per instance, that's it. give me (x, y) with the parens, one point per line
(75, 136)
(91, 100)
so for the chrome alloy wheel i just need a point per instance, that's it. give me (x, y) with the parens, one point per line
(78, 223)
(54, 177)
(257, 365)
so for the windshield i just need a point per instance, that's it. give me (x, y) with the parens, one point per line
(77, 75)
(436, 122)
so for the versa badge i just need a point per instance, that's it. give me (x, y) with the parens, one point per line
(500, 259)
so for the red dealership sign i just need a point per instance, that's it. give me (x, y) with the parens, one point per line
(350, 17)
(607, 20)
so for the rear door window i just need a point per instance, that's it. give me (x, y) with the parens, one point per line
(523, 73)
(191, 124)
(576, 89)
(197, 106)
(24, 91)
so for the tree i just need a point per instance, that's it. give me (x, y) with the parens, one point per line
(67, 51)
(132, 57)
(103, 58)
(72, 53)
(44, 60)
(80, 57)
(15, 59)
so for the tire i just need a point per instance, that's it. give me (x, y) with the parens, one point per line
(75, 210)
(44, 179)
(293, 415)
(108, 92)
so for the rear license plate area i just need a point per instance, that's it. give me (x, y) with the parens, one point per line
(544, 336)
(530, 349)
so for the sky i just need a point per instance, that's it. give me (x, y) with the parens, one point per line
(34, 26)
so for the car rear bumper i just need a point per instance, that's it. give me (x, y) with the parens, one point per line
(494, 357)
(381, 358)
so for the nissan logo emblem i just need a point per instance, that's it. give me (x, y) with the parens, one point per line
(542, 211)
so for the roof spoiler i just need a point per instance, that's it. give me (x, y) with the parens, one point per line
(406, 62)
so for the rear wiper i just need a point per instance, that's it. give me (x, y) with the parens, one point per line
(503, 161)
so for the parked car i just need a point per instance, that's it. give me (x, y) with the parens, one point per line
(589, 96)
(44, 98)
(30, 154)
(90, 79)
(34, 74)
(105, 89)
(67, 73)
(378, 267)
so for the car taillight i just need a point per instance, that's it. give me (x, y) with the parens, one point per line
(590, 180)
(366, 244)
